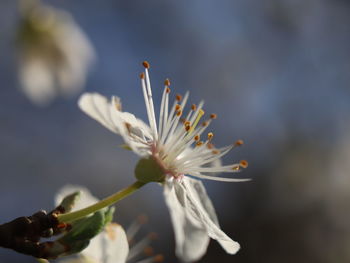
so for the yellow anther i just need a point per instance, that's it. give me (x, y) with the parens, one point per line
(210, 136)
(196, 138)
(145, 64)
(193, 107)
(213, 116)
(243, 164)
(235, 168)
(239, 143)
(178, 97)
(142, 75)
(187, 123)
(177, 107)
(167, 82)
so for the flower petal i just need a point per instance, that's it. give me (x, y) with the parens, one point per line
(98, 108)
(95, 248)
(202, 207)
(191, 238)
(115, 244)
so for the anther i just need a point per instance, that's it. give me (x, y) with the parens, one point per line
(205, 123)
(177, 107)
(183, 120)
(187, 127)
(178, 97)
(235, 168)
(187, 123)
(167, 90)
(239, 143)
(210, 136)
(179, 113)
(193, 107)
(148, 251)
(213, 116)
(243, 164)
(142, 75)
(196, 138)
(158, 258)
(200, 143)
(210, 146)
(145, 64)
(167, 82)
(215, 151)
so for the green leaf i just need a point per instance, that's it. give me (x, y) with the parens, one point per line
(147, 170)
(85, 228)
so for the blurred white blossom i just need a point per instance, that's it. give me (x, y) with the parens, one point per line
(112, 244)
(176, 149)
(54, 53)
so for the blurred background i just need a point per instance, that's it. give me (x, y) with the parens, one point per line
(277, 74)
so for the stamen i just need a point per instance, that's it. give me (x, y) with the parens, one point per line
(235, 168)
(187, 127)
(149, 101)
(193, 107)
(167, 82)
(168, 90)
(145, 64)
(210, 146)
(243, 164)
(177, 107)
(178, 97)
(213, 116)
(187, 123)
(158, 258)
(205, 123)
(179, 113)
(200, 143)
(210, 136)
(148, 251)
(215, 151)
(142, 75)
(196, 138)
(200, 114)
(239, 143)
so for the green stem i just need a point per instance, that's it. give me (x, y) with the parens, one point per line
(69, 217)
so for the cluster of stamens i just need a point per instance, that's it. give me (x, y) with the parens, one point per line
(176, 141)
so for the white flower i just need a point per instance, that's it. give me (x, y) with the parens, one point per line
(175, 145)
(54, 53)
